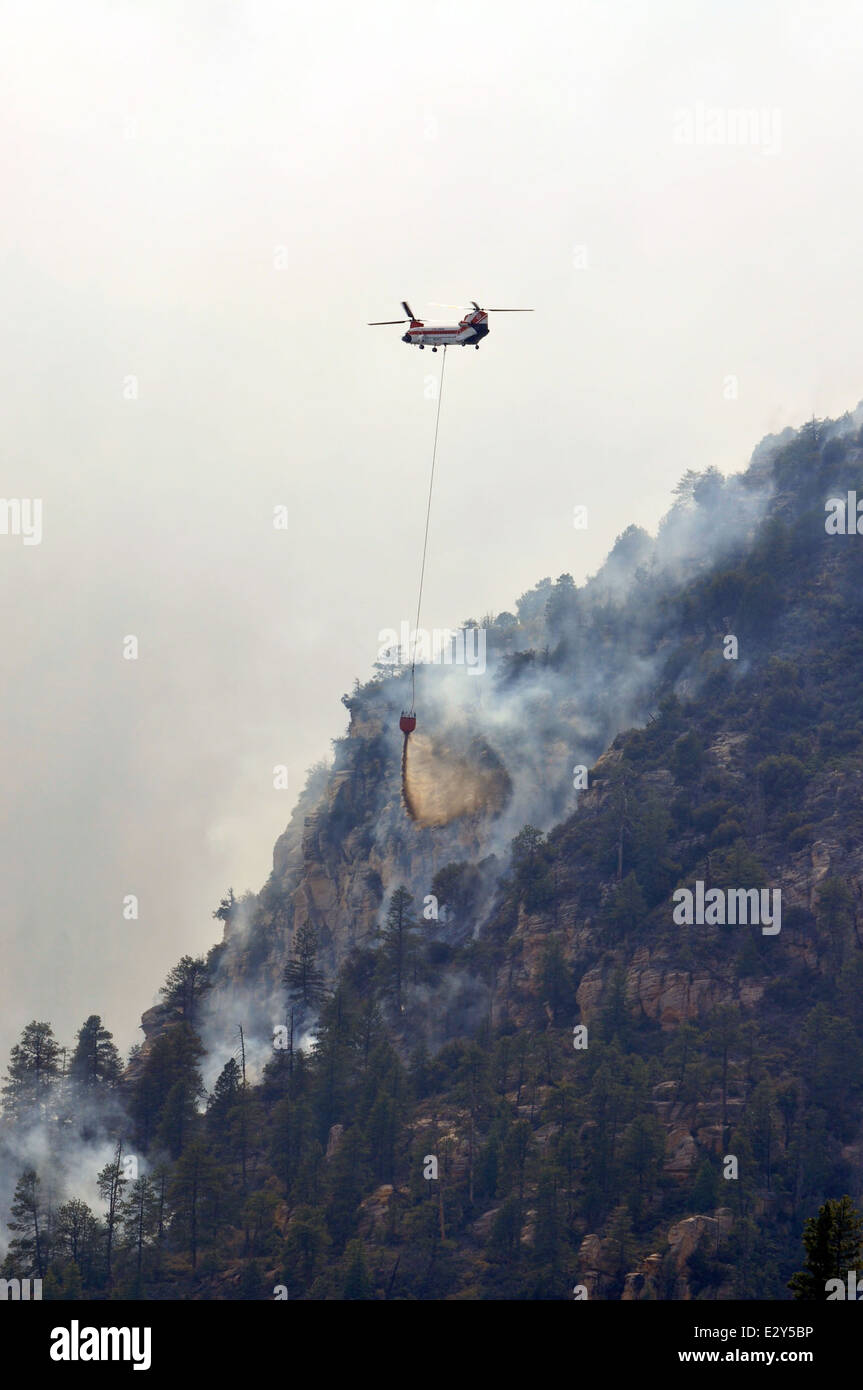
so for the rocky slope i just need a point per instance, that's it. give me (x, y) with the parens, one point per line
(739, 769)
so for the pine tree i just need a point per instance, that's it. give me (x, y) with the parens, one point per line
(832, 1063)
(196, 1198)
(95, 1061)
(397, 945)
(346, 1179)
(303, 980)
(178, 1118)
(530, 868)
(186, 985)
(291, 1132)
(615, 1018)
(335, 1058)
(556, 982)
(306, 1248)
(34, 1067)
(77, 1230)
(227, 908)
(140, 1223)
(172, 1061)
(28, 1218)
(833, 1241)
(110, 1182)
(226, 1092)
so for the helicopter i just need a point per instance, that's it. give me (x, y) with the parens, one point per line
(469, 332)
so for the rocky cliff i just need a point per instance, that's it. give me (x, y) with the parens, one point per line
(689, 716)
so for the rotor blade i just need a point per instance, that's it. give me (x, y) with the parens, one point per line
(379, 323)
(407, 308)
(509, 311)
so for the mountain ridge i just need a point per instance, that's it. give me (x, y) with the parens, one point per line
(486, 1060)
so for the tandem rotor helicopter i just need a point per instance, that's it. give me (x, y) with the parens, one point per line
(468, 332)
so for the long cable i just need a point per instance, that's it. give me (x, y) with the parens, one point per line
(426, 536)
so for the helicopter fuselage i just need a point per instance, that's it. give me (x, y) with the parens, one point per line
(472, 329)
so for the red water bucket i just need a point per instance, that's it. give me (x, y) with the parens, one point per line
(408, 723)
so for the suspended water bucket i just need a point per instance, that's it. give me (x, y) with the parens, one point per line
(407, 723)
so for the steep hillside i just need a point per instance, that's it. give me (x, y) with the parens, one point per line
(509, 1065)
(565, 674)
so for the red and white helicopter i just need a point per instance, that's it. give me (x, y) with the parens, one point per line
(469, 332)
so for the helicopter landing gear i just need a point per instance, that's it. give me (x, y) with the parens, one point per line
(422, 347)
(434, 349)
(476, 345)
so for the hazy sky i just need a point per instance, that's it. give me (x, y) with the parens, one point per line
(202, 207)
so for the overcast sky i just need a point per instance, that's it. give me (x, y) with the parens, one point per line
(202, 207)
